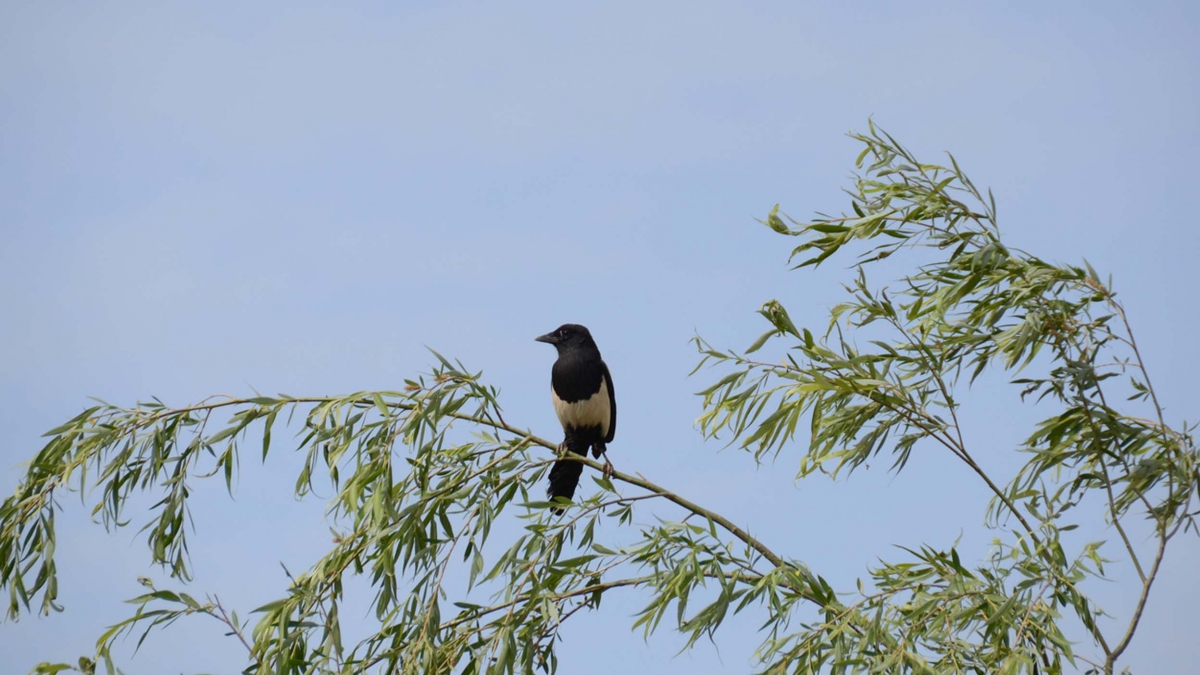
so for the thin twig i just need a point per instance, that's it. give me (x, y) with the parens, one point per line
(223, 616)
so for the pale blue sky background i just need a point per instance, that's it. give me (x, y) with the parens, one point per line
(209, 197)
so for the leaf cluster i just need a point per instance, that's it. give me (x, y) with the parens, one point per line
(421, 479)
(972, 304)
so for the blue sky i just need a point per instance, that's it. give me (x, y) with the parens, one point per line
(202, 198)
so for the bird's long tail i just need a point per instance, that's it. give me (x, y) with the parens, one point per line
(564, 475)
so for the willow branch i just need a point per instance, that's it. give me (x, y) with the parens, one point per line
(638, 481)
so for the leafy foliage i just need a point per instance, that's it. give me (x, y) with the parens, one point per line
(980, 304)
(423, 476)
(415, 503)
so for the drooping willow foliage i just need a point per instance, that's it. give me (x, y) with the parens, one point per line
(426, 477)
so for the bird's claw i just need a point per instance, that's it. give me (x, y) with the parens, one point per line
(608, 468)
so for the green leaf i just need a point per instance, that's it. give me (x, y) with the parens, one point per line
(762, 340)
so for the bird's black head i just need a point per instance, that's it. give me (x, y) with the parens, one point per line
(568, 336)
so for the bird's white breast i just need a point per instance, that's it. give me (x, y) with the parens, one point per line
(590, 412)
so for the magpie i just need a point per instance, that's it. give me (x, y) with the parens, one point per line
(582, 390)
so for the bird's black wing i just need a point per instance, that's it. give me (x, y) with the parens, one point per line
(612, 404)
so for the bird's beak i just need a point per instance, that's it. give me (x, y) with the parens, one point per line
(548, 338)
